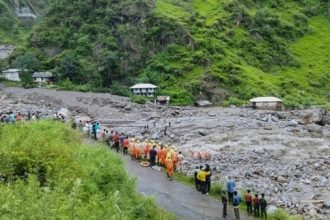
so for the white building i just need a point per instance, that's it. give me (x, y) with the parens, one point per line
(42, 77)
(11, 74)
(145, 89)
(271, 103)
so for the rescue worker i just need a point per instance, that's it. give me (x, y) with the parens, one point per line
(153, 154)
(146, 148)
(248, 200)
(263, 206)
(201, 176)
(180, 161)
(126, 145)
(161, 156)
(256, 206)
(137, 150)
(169, 168)
(174, 159)
(132, 148)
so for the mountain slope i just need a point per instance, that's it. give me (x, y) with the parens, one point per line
(225, 51)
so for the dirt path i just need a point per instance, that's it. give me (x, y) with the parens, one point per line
(175, 197)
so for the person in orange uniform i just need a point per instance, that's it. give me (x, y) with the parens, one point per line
(174, 159)
(146, 148)
(125, 145)
(161, 156)
(137, 150)
(169, 167)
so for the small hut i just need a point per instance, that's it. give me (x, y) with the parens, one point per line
(42, 77)
(267, 103)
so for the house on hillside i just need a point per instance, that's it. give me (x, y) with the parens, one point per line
(11, 74)
(42, 77)
(145, 89)
(267, 103)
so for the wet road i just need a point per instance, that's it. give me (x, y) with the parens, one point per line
(185, 202)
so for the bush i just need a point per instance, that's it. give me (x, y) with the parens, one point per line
(139, 99)
(46, 173)
(234, 101)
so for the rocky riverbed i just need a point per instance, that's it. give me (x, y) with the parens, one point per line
(286, 154)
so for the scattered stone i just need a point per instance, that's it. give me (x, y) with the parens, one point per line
(271, 209)
(282, 179)
(326, 204)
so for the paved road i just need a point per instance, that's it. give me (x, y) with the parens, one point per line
(183, 201)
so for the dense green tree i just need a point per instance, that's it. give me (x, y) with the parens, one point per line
(28, 63)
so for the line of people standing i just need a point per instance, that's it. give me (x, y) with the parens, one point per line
(255, 206)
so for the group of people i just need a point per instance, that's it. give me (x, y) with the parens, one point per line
(12, 117)
(155, 153)
(255, 205)
(165, 156)
(202, 176)
(148, 150)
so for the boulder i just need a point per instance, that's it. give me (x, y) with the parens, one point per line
(292, 123)
(311, 116)
(326, 119)
(326, 204)
(326, 133)
(313, 128)
(282, 179)
(271, 209)
(66, 113)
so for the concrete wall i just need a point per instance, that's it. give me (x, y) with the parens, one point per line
(11, 76)
(268, 105)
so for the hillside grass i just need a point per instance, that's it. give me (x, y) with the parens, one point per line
(223, 51)
(46, 173)
(222, 56)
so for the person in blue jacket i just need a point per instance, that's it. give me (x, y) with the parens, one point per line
(230, 188)
(236, 203)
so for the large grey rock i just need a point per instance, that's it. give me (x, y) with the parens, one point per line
(66, 113)
(271, 209)
(326, 119)
(313, 128)
(282, 179)
(326, 204)
(310, 116)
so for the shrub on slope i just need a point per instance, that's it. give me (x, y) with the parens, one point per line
(46, 173)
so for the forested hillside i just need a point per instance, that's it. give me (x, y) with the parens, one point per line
(224, 51)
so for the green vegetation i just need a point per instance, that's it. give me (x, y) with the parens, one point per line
(46, 173)
(224, 51)
(138, 99)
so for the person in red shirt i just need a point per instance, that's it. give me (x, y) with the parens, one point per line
(125, 145)
(248, 200)
(256, 203)
(116, 141)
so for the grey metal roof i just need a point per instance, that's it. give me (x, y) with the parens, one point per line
(42, 74)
